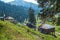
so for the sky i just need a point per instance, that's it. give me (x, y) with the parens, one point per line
(7, 0)
(32, 1)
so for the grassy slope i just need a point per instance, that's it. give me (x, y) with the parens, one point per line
(9, 31)
(49, 37)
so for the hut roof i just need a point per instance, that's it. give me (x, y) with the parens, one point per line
(9, 17)
(47, 26)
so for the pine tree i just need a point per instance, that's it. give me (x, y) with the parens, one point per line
(32, 19)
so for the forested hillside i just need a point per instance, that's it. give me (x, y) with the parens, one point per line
(17, 12)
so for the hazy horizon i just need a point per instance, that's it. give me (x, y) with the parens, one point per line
(31, 1)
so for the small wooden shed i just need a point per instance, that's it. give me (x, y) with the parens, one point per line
(2, 18)
(11, 19)
(47, 29)
(30, 25)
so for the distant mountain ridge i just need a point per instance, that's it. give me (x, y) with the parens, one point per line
(26, 4)
(22, 3)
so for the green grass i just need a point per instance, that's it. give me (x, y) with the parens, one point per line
(49, 37)
(10, 31)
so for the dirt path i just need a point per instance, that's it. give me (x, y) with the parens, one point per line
(38, 38)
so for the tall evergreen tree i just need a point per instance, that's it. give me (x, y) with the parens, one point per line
(31, 16)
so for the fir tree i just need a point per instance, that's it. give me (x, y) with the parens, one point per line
(32, 19)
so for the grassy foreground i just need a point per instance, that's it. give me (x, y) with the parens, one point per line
(10, 31)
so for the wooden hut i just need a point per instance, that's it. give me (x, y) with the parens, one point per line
(11, 19)
(47, 29)
(1, 18)
(30, 25)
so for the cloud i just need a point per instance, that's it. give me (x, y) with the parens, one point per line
(32, 1)
(7, 0)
